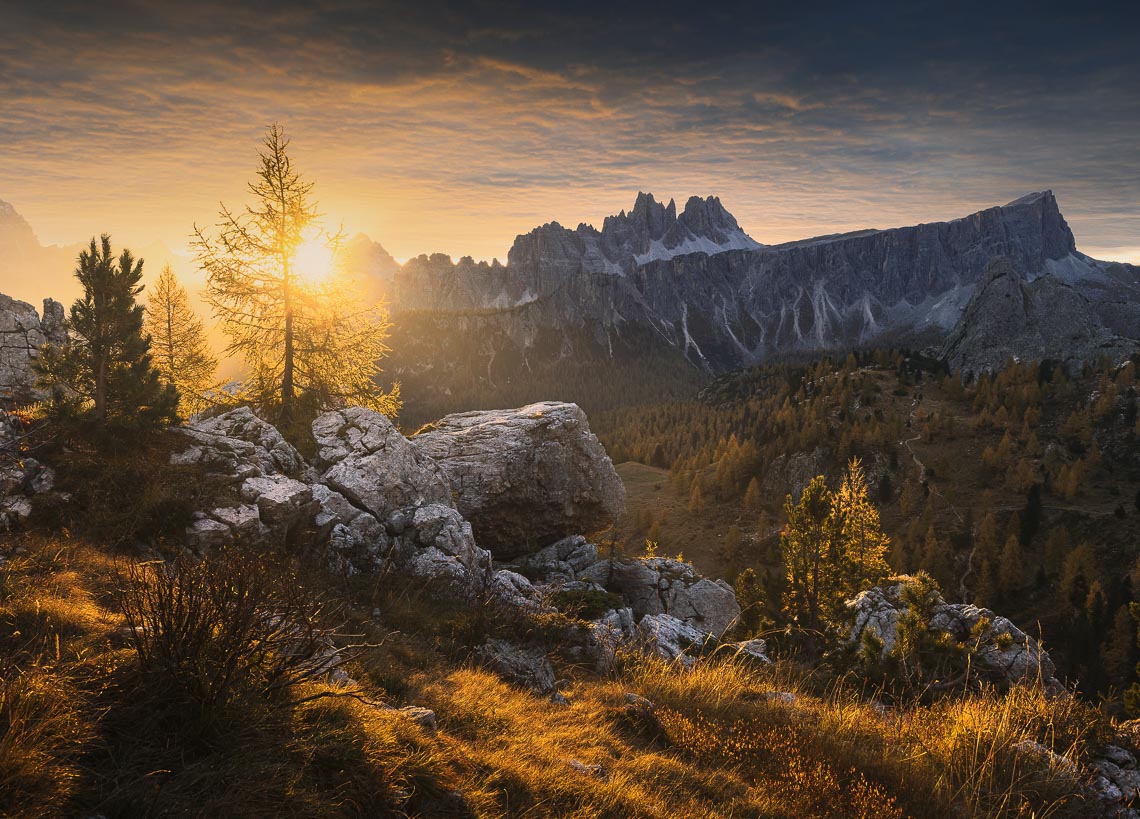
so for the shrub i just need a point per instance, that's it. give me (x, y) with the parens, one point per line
(206, 632)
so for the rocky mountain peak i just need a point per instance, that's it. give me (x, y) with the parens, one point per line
(14, 228)
(1009, 317)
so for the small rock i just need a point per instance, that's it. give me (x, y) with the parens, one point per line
(423, 717)
(594, 771)
(525, 667)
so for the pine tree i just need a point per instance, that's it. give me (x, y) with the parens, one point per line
(1011, 570)
(104, 371)
(178, 339)
(696, 500)
(299, 338)
(750, 595)
(809, 545)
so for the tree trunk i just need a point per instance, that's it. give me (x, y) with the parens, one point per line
(287, 391)
(101, 389)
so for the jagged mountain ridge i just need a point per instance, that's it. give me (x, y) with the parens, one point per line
(542, 262)
(734, 302)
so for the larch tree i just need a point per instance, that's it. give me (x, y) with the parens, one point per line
(857, 520)
(303, 337)
(104, 371)
(178, 341)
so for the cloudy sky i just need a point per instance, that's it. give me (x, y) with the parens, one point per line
(452, 127)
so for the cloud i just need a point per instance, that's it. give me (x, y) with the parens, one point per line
(453, 127)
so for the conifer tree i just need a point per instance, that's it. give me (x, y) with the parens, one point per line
(104, 370)
(1011, 570)
(752, 496)
(696, 501)
(809, 547)
(178, 340)
(857, 520)
(299, 338)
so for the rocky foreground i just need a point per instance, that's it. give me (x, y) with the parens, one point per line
(496, 508)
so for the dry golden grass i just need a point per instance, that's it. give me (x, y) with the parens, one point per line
(81, 733)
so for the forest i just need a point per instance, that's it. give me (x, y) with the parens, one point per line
(1017, 491)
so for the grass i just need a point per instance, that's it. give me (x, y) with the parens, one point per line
(84, 729)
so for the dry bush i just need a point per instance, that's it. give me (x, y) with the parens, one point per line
(209, 630)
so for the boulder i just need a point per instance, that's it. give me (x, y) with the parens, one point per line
(22, 334)
(748, 651)
(239, 445)
(611, 631)
(436, 542)
(423, 717)
(525, 667)
(206, 533)
(366, 459)
(1004, 653)
(243, 521)
(671, 639)
(282, 501)
(561, 561)
(526, 477)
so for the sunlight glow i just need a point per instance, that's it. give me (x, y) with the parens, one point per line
(314, 261)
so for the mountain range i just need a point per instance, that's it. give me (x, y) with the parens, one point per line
(690, 285)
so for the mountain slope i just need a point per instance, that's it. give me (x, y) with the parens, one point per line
(1046, 318)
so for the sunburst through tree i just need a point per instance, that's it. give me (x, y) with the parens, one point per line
(307, 339)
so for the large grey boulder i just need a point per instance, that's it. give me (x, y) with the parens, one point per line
(366, 459)
(525, 477)
(672, 639)
(385, 500)
(282, 502)
(1003, 653)
(239, 445)
(661, 585)
(22, 334)
(525, 667)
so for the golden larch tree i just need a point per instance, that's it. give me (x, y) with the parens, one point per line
(179, 345)
(304, 339)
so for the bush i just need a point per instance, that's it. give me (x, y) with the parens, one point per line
(207, 632)
(126, 496)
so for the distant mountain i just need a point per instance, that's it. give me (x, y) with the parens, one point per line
(374, 268)
(1046, 318)
(30, 271)
(695, 286)
(655, 290)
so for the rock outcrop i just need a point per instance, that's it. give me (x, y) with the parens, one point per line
(1002, 652)
(239, 444)
(660, 585)
(365, 458)
(375, 502)
(21, 477)
(22, 334)
(526, 477)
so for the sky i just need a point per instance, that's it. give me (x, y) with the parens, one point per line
(453, 127)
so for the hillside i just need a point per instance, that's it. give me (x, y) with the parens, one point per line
(957, 470)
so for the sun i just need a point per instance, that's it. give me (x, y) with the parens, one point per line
(314, 261)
